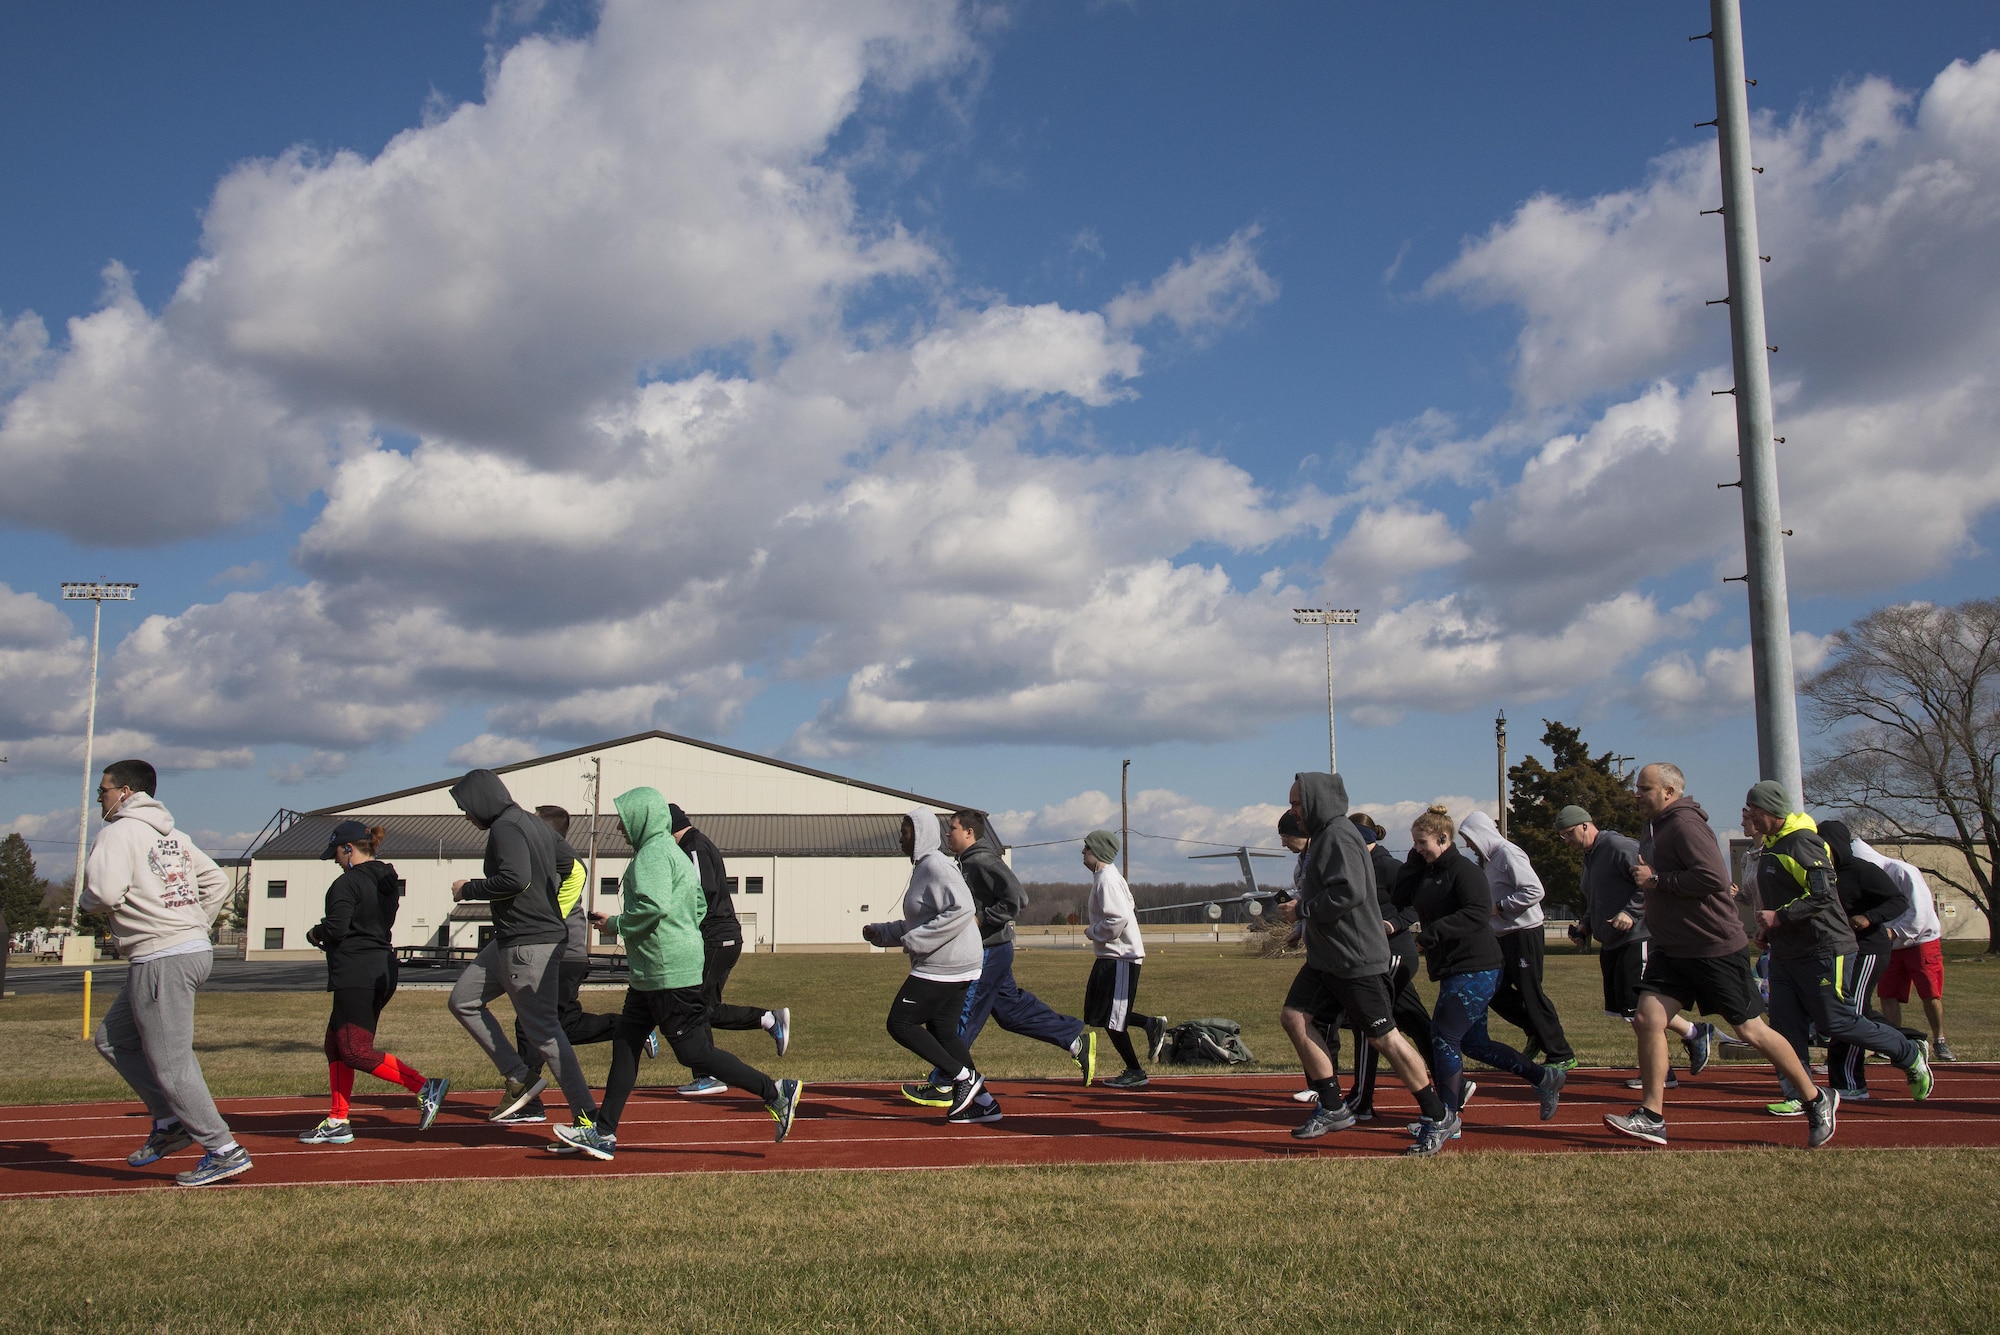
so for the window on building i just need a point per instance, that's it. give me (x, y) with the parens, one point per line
(729, 884)
(753, 885)
(274, 937)
(274, 889)
(402, 886)
(607, 885)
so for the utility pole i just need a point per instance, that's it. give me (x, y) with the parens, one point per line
(1327, 618)
(596, 777)
(1764, 577)
(97, 593)
(1500, 740)
(1124, 823)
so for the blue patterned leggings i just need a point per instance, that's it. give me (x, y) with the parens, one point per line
(1458, 1031)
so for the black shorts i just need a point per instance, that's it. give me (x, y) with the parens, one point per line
(1110, 994)
(1365, 1005)
(1623, 966)
(1722, 985)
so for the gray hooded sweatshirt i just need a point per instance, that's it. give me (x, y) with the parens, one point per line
(1343, 925)
(939, 929)
(1608, 890)
(525, 863)
(1517, 891)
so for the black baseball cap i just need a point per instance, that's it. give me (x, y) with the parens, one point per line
(347, 832)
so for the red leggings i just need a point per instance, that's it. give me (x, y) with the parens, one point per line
(350, 1045)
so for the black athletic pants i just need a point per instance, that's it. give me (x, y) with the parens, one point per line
(1847, 1064)
(716, 962)
(1521, 1001)
(681, 1016)
(1411, 1017)
(581, 1026)
(924, 1019)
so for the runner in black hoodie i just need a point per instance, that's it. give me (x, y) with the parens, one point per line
(1411, 1016)
(721, 947)
(525, 868)
(1871, 901)
(361, 974)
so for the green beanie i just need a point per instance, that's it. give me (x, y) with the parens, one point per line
(1769, 795)
(1103, 843)
(1572, 816)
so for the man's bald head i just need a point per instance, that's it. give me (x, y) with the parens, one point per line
(1660, 785)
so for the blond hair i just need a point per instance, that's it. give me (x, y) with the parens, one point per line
(1435, 822)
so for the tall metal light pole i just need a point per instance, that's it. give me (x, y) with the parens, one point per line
(1124, 822)
(96, 593)
(1500, 741)
(1764, 577)
(1327, 618)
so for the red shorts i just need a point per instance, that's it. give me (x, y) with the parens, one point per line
(1923, 965)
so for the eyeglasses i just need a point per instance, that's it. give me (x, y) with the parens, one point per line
(103, 792)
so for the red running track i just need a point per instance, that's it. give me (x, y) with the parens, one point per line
(80, 1149)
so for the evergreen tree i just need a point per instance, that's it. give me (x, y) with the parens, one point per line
(21, 890)
(1536, 792)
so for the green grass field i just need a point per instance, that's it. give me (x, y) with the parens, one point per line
(1754, 1241)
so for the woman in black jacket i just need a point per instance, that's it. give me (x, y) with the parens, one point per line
(1454, 909)
(361, 974)
(1871, 901)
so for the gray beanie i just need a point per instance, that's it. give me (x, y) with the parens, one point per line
(1103, 843)
(1769, 795)
(1572, 816)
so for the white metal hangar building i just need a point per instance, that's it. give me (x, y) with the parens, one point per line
(811, 856)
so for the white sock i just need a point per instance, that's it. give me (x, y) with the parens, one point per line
(964, 1073)
(230, 1148)
(769, 1021)
(165, 1123)
(1076, 1047)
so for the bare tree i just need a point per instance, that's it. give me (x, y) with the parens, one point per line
(1912, 699)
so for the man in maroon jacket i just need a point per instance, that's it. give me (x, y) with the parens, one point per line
(1699, 958)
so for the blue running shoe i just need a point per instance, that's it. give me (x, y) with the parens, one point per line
(585, 1136)
(700, 1085)
(1700, 1046)
(163, 1141)
(781, 1029)
(652, 1042)
(1434, 1136)
(215, 1168)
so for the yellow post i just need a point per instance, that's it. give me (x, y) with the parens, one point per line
(86, 1005)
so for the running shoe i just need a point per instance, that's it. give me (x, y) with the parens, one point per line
(781, 1029)
(328, 1132)
(1306, 1096)
(1550, 1089)
(1786, 1108)
(1641, 1124)
(1129, 1078)
(699, 1086)
(964, 1093)
(1567, 1064)
(1432, 1137)
(1920, 1074)
(1853, 1095)
(1156, 1036)
(586, 1137)
(1465, 1099)
(786, 1107)
(1324, 1120)
(1417, 1129)
(1727, 1039)
(215, 1167)
(1084, 1054)
(518, 1096)
(1700, 1047)
(1638, 1082)
(1941, 1052)
(986, 1110)
(163, 1141)
(1822, 1114)
(430, 1101)
(652, 1042)
(531, 1113)
(928, 1094)
(1362, 1112)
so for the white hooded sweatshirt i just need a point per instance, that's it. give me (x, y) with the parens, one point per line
(1517, 890)
(1114, 926)
(161, 891)
(1919, 922)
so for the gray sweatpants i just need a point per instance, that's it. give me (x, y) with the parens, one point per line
(529, 977)
(148, 1036)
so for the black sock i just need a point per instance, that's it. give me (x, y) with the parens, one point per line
(1429, 1104)
(1327, 1089)
(1122, 1040)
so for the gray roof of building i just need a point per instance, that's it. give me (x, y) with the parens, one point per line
(872, 835)
(442, 784)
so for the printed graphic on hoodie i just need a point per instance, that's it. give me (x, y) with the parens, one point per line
(169, 862)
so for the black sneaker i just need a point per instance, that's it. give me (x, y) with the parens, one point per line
(1638, 1082)
(1641, 1124)
(986, 1110)
(964, 1093)
(1550, 1088)
(1700, 1046)
(1129, 1078)
(928, 1094)
(1821, 1115)
(786, 1107)
(517, 1096)
(531, 1113)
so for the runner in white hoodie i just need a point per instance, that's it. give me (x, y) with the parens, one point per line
(1517, 922)
(162, 894)
(1114, 975)
(1918, 953)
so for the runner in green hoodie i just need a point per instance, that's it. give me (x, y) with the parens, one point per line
(661, 924)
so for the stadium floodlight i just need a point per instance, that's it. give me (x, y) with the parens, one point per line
(1326, 618)
(97, 593)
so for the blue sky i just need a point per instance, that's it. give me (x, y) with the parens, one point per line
(989, 449)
